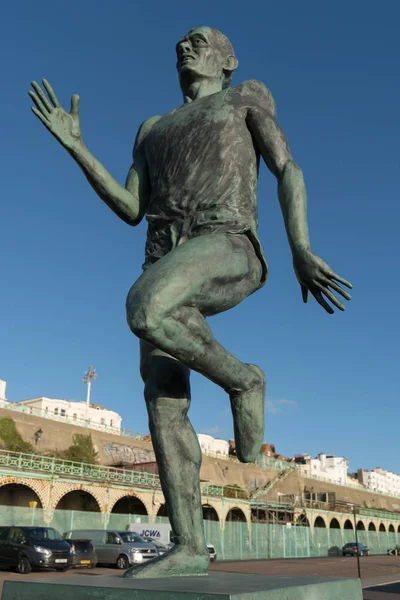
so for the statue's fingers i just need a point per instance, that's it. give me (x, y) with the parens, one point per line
(51, 93)
(333, 275)
(42, 96)
(39, 103)
(75, 105)
(330, 295)
(41, 117)
(325, 281)
(318, 296)
(304, 293)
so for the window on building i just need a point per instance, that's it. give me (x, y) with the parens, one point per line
(56, 411)
(111, 423)
(63, 412)
(74, 416)
(46, 409)
(102, 421)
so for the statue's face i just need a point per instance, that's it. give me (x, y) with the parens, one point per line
(201, 53)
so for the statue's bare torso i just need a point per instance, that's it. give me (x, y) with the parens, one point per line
(203, 168)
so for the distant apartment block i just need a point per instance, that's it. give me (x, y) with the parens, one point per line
(379, 480)
(213, 445)
(95, 417)
(330, 467)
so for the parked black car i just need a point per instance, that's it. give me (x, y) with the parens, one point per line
(83, 553)
(27, 548)
(352, 549)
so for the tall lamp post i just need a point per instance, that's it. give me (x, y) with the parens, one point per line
(88, 378)
(353, 507)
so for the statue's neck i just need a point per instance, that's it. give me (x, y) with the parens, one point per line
(200, 89)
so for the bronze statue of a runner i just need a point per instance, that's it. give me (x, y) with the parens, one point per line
(194, 177)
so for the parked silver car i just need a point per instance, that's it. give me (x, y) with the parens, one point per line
(120, 548)
(161, 548)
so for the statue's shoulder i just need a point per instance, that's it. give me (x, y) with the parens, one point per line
(255, 94)
(146, 127)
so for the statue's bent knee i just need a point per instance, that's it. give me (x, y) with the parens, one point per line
(143, 322)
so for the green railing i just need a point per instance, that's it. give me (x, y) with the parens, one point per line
(213, 490)
(274, 464)
(66, 468)
(379, 514)
(225, 491)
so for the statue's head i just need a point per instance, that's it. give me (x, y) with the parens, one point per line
(205, 53)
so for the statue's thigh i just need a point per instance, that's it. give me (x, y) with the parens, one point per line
(211, 273)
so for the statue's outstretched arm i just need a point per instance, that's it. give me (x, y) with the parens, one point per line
(129, 202)
(313, 273)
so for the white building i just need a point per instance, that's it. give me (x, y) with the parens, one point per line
(94, 417)
(332, 468)
(213, 445)
(2, 390)
(379, 480)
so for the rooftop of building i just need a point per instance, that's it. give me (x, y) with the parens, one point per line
(68, 402)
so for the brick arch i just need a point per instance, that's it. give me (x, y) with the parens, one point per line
(235, 507)
(215, 506)
(323, 519)
(334, 523)
(144, 498)
(34, 484)
(61, 489)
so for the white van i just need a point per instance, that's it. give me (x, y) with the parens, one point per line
(159, 531)
(120, 548)
(163, 533)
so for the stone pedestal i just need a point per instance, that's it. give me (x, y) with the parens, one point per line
(216, 586)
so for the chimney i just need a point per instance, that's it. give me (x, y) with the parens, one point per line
(232, 449)
(3, 386)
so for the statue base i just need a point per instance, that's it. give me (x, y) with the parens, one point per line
(215, 586)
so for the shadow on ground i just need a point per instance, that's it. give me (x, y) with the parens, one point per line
(391, 588)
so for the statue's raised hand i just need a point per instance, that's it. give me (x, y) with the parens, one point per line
(316, 276)
(64, 126)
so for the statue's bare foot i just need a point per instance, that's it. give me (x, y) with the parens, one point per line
(178, 561)
(248, 417)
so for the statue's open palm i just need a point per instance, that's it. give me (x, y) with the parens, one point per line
(316, 276)
(64, 126)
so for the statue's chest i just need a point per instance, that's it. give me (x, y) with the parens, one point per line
(191, 127)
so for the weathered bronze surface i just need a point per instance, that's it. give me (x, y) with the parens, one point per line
(194, 176)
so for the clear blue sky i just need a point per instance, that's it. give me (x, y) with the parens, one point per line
(67, 262)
